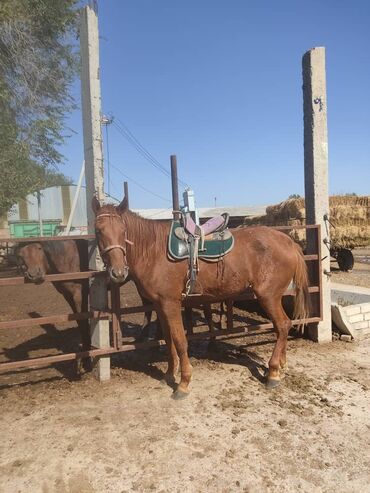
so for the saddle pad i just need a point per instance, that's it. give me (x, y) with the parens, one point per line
(216, 245)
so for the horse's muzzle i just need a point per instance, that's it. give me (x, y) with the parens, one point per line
(36, 277)
(118, 275)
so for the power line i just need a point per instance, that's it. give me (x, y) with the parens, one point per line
(138, 184)
(130, 137)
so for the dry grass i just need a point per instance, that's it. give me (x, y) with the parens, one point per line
(350, 216)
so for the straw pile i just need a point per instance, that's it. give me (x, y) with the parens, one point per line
(350, 216)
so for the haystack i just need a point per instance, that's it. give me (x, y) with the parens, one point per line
(349, 216)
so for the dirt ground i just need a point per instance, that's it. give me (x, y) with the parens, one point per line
(67, 434)
(360, 275)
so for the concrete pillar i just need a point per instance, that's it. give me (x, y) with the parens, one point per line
(316, 173)
(94, 172)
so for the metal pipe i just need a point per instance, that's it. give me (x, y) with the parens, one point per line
(125, 188)
(39, 212)
(175, 188)
(75, 199)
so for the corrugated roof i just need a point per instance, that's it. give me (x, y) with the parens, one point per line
(240, 211)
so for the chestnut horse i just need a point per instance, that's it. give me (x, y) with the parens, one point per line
(263, 259)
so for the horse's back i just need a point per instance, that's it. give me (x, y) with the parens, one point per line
(68, 255)
(267, 254)
(264, 239)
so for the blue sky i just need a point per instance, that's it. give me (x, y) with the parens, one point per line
(218, 83)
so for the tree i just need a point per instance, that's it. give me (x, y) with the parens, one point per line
(294, 196)
(37, 65)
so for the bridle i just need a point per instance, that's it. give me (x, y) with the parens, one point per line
(112, 247)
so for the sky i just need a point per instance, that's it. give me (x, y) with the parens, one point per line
(219, 84)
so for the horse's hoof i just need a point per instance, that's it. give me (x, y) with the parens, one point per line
(168, 381)
(179, 395)
(272, 383)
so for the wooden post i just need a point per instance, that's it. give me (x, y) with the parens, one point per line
(316, 176)
(94, 172)
(175, 188)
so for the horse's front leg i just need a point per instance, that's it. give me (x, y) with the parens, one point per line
(173, 359)
(171, 320)
(76, 295)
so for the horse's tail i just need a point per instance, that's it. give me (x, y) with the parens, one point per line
(302, 298)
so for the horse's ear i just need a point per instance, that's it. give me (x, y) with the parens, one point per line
(95, 204)
(123, 206)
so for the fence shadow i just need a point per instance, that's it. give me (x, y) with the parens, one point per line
(63, 340)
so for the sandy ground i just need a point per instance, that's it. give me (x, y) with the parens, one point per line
(63, 434)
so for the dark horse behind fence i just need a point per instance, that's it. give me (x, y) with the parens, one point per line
(36, 259)
(263, 259)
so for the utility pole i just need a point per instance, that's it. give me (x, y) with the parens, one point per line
(94, 171)
(316, 176)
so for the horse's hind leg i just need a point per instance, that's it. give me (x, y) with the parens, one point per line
(282, 325)
(208, 316)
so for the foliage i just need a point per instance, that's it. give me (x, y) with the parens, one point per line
(37, 66)
(294, 196)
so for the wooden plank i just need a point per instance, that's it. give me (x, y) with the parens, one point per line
(300, 226)
(136, 309)
(311, 257)
(47, 238)
(53, 319)
(48, 360)
(68, 276)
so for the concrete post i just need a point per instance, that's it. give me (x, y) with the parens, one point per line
(94, 172)
(316, 173)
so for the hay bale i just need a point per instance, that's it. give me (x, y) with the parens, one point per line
(350, 216)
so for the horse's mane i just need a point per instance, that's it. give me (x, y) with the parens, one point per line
(149, 236)
(54, 248)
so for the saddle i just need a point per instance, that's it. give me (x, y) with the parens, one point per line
(209, 242)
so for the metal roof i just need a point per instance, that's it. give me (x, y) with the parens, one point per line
(56, 204)
(240, 211)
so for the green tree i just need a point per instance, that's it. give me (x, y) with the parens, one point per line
(37, 65)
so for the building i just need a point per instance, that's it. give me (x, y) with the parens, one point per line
(55, 205)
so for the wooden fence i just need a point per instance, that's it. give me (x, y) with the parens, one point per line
(115, 313)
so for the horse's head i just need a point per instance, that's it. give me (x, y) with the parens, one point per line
(111, 237)
(32, 260)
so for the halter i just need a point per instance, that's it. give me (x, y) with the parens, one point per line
(111, 247)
